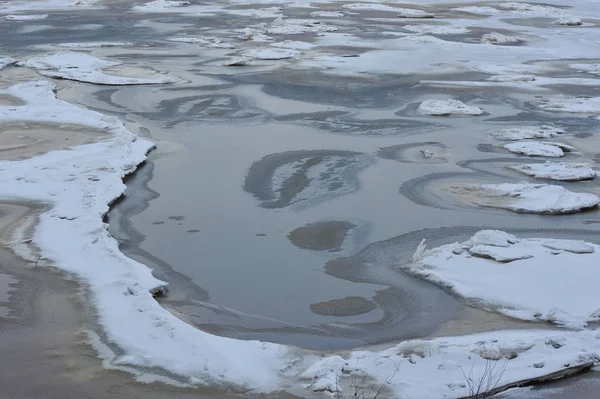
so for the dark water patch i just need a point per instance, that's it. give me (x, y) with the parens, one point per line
(307, 177)
(321, 236)
(348, 306)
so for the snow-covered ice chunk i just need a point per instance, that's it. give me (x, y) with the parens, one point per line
(238, 61)
(207, 41)
(255, 34)
(25, 17)
(478, 10)
(497, 38)
(410, 13)
(570, 104)
(533, 278)
(160, 5)
(4, 62)
(593, 69)
(493, 238)
(447, 108)
(327, 14)
(569, 20)
(85, 68)
(293, 44)
(292, 26)
(539, 148)
(436, 29)
(556, 171)
(94, 44)
(272, 54)
(511, 77)
(527, 132)
(526, 197)
(498, 254)
(577, 247)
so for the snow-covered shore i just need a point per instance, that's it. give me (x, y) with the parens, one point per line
(80, 184)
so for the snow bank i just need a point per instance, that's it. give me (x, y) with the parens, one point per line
(447, 108)
(530, 279)
(434, 369)
(527, 132)
(527, 197)
(79, 184)
(85, 68)
(557, 171)
(539, 148)
(570, 104)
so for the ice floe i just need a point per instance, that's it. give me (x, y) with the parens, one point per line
(557, 171)
(4, 62)
(160, 5)
(212, 42)
(526, 197)
(570, 104)
(497, 38)
(436, 29)
(527, 278)
(539, 148)
(86, 68)
(527, 132)
(94, 44)
(293, 44)
(272, 54)
(447, 108)
(593, 69)
(294, 26)
(25, 17)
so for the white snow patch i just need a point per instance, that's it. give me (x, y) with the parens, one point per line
(25, 17)
(327, 14)
(4, 62)
(160, 5)
(513, 77)
(447, 108)
(272, 54)
(539, 148)
(207, 41)
(94, 44)
(527, 132)
(478, 10)
(255, 34)
(570, 104)
(557, 171)
(497, 38)
(530, 278)
(593, 69)
(526, 197)
(436, 29)
(294, 45)
(293, 26)
(85, 68)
